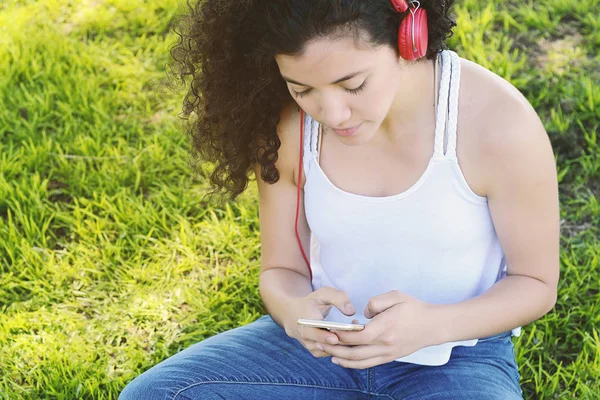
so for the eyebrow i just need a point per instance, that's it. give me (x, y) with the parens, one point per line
(345, 78)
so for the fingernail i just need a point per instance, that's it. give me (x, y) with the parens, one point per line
(335, 361)
(319, 346)
(350, 309)
(331, 340)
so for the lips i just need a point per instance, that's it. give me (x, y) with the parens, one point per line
(348, 131)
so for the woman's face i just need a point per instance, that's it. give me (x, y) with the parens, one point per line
(347, 86)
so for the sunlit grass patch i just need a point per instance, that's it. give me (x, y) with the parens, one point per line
(110, 263)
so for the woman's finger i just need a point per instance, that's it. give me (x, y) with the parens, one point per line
(359, 364)
(314, 350)
(330, 296)
(318, 335)
(354, 352)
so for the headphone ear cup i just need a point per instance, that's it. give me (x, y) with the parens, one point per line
(405, 41)
(400, 5)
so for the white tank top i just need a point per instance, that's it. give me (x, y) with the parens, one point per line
(435, 241)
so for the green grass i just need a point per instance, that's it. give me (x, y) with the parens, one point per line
(110, 264)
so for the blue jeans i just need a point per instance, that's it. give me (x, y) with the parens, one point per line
(259, 361)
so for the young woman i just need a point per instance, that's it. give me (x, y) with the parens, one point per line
(401, 187)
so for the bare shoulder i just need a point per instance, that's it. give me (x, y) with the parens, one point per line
(288, 134)
(499, 109)
(497, 125)
(289, 125)
(288, 131)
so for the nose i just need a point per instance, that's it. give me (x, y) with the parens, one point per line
(334, 111)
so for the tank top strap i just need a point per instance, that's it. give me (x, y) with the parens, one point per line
(447, 106)
(310, 139)
(453, 112)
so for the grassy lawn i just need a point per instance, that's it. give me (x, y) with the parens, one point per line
(110, 264)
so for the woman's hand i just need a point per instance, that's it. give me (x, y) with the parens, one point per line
(400, 325)
(316, 306)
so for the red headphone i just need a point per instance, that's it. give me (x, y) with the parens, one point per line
(413, 37)
(413, 34)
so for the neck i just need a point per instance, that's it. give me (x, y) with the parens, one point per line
(414, 104)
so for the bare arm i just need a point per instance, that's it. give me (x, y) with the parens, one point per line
(284, 273)
(285, 285)
(523, 201)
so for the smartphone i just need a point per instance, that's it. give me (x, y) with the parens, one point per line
(340, 326)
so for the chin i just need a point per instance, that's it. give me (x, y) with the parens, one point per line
(357, 140)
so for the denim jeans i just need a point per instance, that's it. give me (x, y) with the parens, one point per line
(259, 361)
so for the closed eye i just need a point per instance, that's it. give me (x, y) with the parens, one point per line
(351, 91)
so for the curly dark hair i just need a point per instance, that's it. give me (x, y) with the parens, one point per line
(227, 48)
